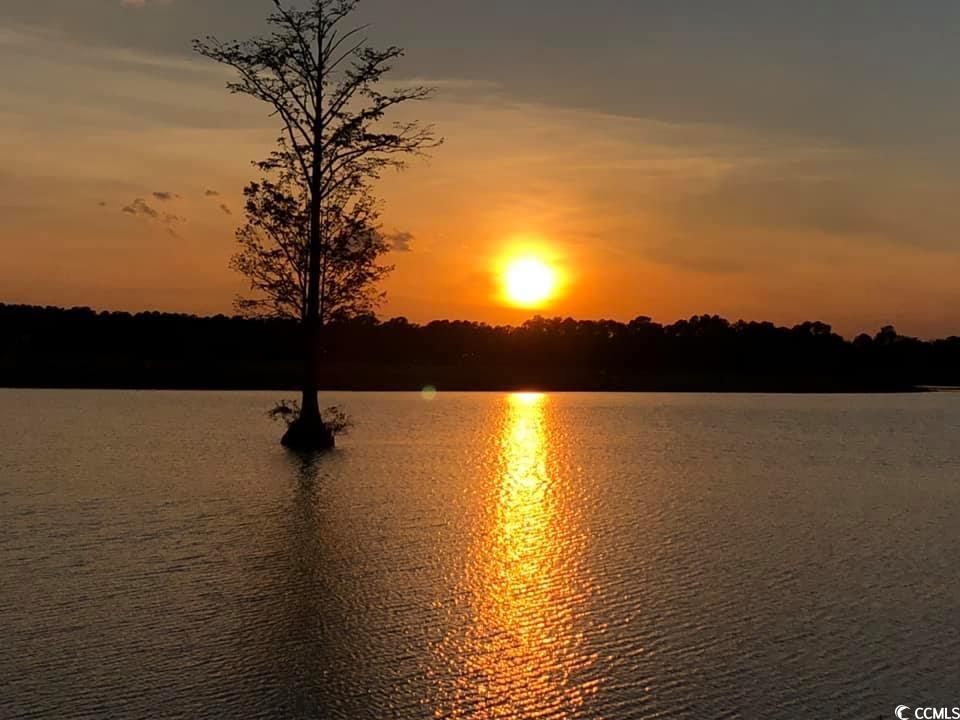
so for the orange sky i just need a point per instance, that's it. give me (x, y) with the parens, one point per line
(643, 215)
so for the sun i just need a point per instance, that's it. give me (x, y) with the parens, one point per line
(529, 282)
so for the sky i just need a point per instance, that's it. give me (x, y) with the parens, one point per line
(760, 159)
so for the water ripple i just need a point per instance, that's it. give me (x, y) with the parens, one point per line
(478, 556)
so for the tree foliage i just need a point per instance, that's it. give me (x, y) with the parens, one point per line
(274, 247)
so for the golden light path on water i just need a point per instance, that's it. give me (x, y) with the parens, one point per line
(520, 653)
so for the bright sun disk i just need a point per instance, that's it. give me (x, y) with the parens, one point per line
(528, 282)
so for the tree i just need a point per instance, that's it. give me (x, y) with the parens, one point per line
(323, 81)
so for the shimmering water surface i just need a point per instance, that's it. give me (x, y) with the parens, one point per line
(480, 556)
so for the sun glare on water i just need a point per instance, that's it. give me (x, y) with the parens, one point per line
(529, 282)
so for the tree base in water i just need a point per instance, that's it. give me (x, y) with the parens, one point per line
(308, 435)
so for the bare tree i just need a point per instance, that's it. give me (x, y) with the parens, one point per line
(323, 81)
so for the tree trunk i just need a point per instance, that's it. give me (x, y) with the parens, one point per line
(308, 432)
(310, 405)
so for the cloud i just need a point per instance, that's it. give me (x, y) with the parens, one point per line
(159, 195)
(678, 252)
(140, 207)
(171, 221)
(224, 208)
(399, 241)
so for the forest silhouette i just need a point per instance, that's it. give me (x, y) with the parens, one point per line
(79, 347)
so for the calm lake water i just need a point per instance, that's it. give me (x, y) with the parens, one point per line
(480, 556)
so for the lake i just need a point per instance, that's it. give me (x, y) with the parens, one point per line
(480, 556)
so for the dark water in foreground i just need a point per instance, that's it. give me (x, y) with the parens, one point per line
(481, 556)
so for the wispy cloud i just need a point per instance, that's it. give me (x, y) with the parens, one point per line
(140, 207)
(107, 86)
(399, 241)
(445, 83)
(144, 3)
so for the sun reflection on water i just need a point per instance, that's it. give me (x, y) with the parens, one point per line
(519, 653)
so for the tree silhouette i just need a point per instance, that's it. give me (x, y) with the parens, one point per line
(323, 81)
(50, 347)
(275, 249)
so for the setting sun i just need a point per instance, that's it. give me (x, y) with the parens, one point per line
(529, 282)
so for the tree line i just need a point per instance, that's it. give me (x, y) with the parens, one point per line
(79, 347)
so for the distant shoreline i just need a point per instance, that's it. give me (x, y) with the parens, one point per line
(47, 347)
(746, 389)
